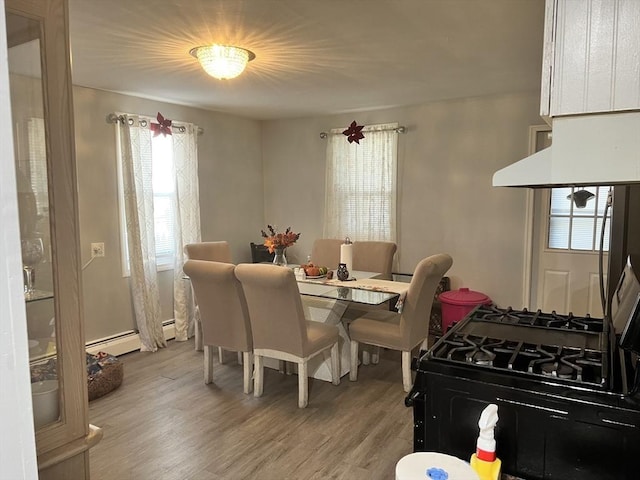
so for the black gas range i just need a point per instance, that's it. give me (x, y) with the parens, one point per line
(565, 390)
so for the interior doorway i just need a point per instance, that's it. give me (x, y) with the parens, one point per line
(565, 241)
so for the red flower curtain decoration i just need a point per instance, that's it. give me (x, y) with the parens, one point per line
(354, 133)
(162, 127)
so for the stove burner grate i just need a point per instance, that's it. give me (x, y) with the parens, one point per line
(554, 369)
(545, 357)
(470, 350)
(569, 364)
(536, 318)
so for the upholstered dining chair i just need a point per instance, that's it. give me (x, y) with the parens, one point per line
(326, 252)
(214, 252)
(279, 327)
(406, 330)
(374, 257)
(371, 256)
(223, 313)
(368, 256)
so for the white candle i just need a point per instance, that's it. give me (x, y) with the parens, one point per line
(346, 255)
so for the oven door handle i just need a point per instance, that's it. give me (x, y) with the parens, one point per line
(536, 407)
(614, 422)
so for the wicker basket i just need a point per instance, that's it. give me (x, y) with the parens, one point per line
(109, 378)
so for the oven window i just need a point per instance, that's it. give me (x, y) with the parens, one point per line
(576, 215)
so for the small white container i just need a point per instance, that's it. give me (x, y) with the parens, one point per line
(299, 273)
(46, 408)
(415, 466)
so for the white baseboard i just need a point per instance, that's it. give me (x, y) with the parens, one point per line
(127, 343)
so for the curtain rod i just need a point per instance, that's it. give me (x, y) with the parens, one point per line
(400, 129)
(114, 118)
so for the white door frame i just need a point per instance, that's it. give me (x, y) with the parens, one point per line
(528, 223)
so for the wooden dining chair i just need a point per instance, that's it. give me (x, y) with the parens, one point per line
(279, 327)
(223, 313)
(260, 253)
(406, 330)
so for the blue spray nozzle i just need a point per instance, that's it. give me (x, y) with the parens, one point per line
(437, 474)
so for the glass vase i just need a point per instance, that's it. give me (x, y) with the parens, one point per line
(32, 254)
(279, 258)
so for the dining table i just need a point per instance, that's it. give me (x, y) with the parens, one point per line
(326, 300)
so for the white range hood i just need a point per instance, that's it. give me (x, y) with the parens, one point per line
(594, 149)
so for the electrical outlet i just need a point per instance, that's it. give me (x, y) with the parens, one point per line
(97, 250)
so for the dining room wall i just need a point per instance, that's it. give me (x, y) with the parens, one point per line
(446, 202)
(231, 197)
(253, 173)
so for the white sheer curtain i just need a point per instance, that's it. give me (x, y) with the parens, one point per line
(361, 185)
(136, 158)
(187, 222)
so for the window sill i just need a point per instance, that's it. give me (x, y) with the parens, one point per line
(164, 267)
(579, 252)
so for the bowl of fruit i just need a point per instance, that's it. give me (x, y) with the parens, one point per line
(314, 271)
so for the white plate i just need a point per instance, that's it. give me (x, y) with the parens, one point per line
(311, 277)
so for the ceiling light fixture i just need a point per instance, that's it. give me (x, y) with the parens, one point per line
(222, 61)
(580, 197)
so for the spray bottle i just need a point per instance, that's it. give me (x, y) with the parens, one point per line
(484, 461)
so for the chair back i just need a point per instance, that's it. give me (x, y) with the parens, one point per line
(223, 308)
(260, 253)
(414, 320)
(211, 251)
(326, 252)
(275, 308)
(374, 257)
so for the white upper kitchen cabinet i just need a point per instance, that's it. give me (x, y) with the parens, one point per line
(591, 57)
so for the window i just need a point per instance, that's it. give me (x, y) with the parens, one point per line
(361, 185)
(578, 228)
(164, 184)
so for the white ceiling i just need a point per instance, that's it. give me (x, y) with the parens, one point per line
(313, 57)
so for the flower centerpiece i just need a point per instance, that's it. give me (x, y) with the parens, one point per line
(277, 242)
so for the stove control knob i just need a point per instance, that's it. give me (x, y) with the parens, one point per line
(409, 399)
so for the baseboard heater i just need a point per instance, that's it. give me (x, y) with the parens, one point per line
(125, 342)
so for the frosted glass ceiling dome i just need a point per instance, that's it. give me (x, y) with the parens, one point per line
(223, 61)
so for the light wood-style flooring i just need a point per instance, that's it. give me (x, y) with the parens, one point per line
(164, 423)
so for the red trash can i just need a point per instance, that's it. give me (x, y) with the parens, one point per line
(457, 303)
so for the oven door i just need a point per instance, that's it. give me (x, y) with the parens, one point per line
(537, 437)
